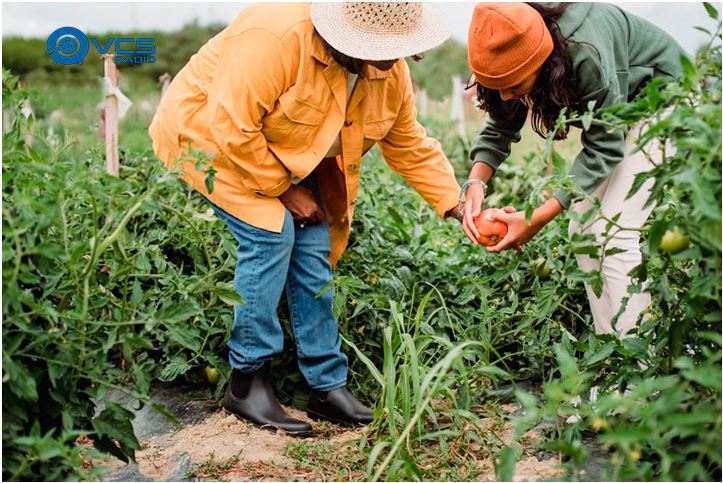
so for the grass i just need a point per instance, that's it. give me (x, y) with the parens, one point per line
(75, 109)
(310, 461)
(328, 461)
(212, 469)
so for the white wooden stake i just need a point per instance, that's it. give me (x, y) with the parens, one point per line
(457, 106)
(423, 103)
(27, 111)
(165, 80)
(111, 118)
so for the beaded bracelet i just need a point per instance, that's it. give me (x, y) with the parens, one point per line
(463, 193)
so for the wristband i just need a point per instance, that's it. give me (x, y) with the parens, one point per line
(463, 194)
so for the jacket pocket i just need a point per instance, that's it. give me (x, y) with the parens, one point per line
(300, 112)
(376, 130)
(293, 123)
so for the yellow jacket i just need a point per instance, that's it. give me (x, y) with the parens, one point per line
(266, 99)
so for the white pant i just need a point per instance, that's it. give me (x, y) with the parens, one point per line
(615, 268)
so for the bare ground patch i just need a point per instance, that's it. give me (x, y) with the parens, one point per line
(221, 447)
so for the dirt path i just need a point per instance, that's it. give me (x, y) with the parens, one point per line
(221, 447)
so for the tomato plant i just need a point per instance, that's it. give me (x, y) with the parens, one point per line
(108, 283)
(114, 283)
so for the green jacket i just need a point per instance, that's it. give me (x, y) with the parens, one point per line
(616, 55)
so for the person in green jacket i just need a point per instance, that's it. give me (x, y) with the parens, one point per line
(536, 59)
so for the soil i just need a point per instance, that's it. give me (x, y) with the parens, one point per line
(239, 451)
(212, 445)
(221, 438)
(222, 447)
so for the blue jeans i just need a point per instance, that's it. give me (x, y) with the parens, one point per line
(296, 259)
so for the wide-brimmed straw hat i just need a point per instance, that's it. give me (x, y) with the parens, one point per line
(380, 30)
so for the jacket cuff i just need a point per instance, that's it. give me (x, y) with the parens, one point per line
(489, 157)
(448, 202)
(276, 190)
(563, 197)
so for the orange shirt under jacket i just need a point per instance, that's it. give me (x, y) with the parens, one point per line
(267, 100)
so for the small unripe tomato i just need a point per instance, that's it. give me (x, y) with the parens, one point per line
(542, 268)
(212, 374)
(674, 241)
(598, 424)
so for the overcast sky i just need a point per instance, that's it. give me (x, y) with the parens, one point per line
(40, 19)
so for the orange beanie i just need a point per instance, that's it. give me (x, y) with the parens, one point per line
(507, 42)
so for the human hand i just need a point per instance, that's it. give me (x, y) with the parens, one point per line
(519, 231)
(302, 204)
(472, 205)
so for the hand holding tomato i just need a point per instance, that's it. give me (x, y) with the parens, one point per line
(490, 232)
(519, 231)
(472, 205)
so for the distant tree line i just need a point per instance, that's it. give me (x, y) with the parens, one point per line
(26, 58)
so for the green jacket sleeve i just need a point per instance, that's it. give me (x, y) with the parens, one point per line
(602, 150)
(492, 146)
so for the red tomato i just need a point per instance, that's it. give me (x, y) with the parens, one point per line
(490, 232)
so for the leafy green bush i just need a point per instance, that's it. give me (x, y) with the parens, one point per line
(107, 283)
(659, 410)
(111, 283)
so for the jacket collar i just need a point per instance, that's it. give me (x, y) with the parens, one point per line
(374, 73)
(318, 50)
(573, 18)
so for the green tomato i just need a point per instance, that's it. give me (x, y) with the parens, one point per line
(212, 374)
(674, 241)
(542, 268)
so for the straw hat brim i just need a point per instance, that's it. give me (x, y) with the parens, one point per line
(329, 21)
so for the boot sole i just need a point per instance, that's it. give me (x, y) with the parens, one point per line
(321, 417)
(268, 427)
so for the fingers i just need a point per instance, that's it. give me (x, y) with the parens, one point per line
(469, 233)
(320, 216)
(474, 198)
(471, 210)
(309, 215)
(470, 228)
(504, 217)
(509, 209)
(503, 244)
(316, 215)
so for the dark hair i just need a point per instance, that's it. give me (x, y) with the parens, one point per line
(553, 89)
(351, 64)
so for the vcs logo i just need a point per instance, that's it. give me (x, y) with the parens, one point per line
(68, 45)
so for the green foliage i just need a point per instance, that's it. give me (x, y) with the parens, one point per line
(26, 58)
(435, 71)
(425, 381)
(112, 283)
(107, 283)
(659, 410)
